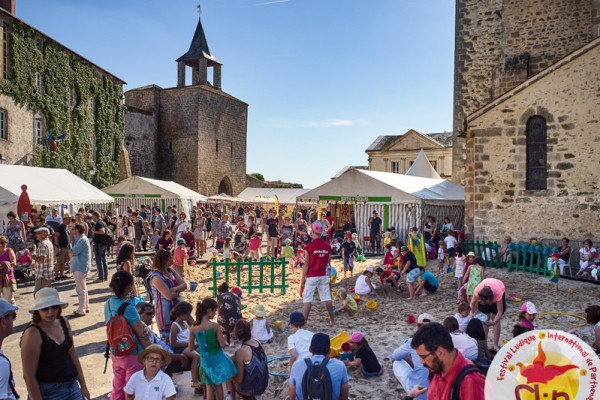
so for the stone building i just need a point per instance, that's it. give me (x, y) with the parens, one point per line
(527, 105)
(192, 134)
(46, 87)
(396, 153)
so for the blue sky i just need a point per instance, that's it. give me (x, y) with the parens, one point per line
(323, 78)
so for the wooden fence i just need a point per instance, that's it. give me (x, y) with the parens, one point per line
(244, 273)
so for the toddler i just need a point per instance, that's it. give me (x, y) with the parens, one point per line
(287, 252)
(180, 337)
(348, 304)
(24, 258)
(299, 260)
(154, 358)
(459, 265)
(227, 249)
(180, 255)
(348, 252)
(336, 246)
(450, 242)
(254, 251)
(463, 316)
(527, 315)
(261, 331)
(154, 240)
(386, 238)
(388, 258)
(441, 256)
(554, 270)
(364, 357)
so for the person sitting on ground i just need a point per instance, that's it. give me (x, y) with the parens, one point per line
(463, 316)
(427, 283)
(527, 315)
(261, 331)
(319, 348)
(180, 337)
(475, 330)
(407, 367)
(364, 357)
(348, 304)
(299, 341)
(389, 275)
(462, 342)
(151, 383)
(364, 285)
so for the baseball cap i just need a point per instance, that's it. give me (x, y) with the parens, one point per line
(356, 337)
(403, 248)
(297, 318)
(529, 308)
(320, 341)
(6, 308)
(317, 227)
(424, 318)
(237, 291)
(555, 255)
(369, 269)
(180, 241)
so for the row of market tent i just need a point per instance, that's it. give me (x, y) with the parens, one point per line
(401, 200)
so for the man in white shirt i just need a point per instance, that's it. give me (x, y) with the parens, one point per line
(7, 383)
(462, 342)
(299, 341)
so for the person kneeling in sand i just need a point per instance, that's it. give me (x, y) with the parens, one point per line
(364, 285)
(348, 303)
(427, 283)
(364, 357)
(151, 383)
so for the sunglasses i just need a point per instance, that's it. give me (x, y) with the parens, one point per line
(150, 314)
(45, 309)
(12, 316)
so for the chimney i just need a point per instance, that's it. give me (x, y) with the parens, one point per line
(8, 5)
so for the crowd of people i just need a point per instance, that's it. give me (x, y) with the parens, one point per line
(143, 360)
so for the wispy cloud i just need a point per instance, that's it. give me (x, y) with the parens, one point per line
(323, 123)
(266, 3)
(329, 123)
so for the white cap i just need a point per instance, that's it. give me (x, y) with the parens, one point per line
(424, 318)
(529, 308)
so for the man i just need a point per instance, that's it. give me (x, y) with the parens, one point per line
(81, 262)
(225, 228)
(314, 271)
(407, 367)
(319, 348)
(272, 233)
(61, 241)
(138, 228)
(375, 231)
(158, 221)
(54, 219)
(101, 242)
(44, 260)
(434, 347)
(8, 315)
(411, 269)
(299, 341)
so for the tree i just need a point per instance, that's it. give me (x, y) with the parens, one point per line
(258, 176)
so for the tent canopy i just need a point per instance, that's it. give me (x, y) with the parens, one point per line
(267, 195)
(137, 186)
(422, 167)
(48, 186)
(386, 187)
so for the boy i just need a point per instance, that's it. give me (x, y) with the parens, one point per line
(151, 383)
(388, 276)
(348, 253)
(463, 316)
(427, 283)
(450, 243)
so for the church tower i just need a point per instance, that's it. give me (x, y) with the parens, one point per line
(192, 134)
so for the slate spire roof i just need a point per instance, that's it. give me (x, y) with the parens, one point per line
(198, 49)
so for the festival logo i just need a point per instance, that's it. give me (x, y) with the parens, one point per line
(544, 365)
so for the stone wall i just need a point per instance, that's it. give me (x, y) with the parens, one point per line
(140, 141)
(18, 146)
(497, 202)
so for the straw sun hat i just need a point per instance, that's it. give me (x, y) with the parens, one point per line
(47, 297)
(154, 348)
(259, 311)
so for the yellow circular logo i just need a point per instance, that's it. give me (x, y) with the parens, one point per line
(544, 364)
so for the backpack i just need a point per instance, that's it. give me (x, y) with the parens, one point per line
(316, 382)
(11, 381)
(455, 391)
(120, 335)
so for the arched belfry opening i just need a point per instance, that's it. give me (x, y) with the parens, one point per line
(225, 186)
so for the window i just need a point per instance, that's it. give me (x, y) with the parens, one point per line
(91, 106)
(536, 154)
(37, 131)
(3, 124)
(170, 145)
(217, 146)
(39, 42)
(5, 52)
(433, 164)
(395, 167)
(39, 83)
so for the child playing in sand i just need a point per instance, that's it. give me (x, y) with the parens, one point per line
(364, 357)
(348, 253)
(474, 275)
(363, 284)
(261, 331)
(554, 270)
(527, 315)
(427, 283)
(180, 256)
(463, 316)
(180, 337)
(386, 238)
(215, 366)
(393, 277)
(254, 251)
(348, 304)
(459, 265)
(388, 258)
(154, 358)
(287, 252)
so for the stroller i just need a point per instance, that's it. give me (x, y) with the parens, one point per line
(143, 269)
(240, 245)
(189, 242)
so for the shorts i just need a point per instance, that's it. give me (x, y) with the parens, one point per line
(253, 254)
(492, 308)
(320, 283)
(349, 264)
(430, 288)
(273, 242)
(199, 234)
(412, 276)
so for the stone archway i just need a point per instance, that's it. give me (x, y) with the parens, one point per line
(225, 186)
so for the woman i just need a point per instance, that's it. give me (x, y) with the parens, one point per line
(51, 368)
(167, 286)
(124, 366)
(200, 232)
(15, 231)
(490, 298)
(181, 225)
(301, 229)
(586, 254)
(127, 230)
(252, 376)
(592, 316)
(166, 241)
(8, 255)
(126, 262)
(230, 310)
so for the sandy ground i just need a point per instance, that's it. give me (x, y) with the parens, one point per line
(385, 328)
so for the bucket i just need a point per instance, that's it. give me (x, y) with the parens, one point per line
(334, 293)
(346, 356)
(371, 305)
(357, 298)
(193, 286)
(278, 324)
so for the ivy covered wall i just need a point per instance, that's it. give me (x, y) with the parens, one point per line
(75, 99)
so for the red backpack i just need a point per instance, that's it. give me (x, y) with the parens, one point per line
(120, 336)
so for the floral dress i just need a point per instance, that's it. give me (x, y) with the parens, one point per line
(215, 366)
(474, 279)
(14, 236)
(230, 311)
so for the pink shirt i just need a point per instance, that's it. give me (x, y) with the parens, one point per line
(495, 284)
(254, 243)
(178, 256)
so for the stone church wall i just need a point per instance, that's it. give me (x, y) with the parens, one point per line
(140, 140)
(497, 202)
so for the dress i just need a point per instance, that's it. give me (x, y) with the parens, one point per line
(230, 311)
(474, 279)
(554, 272)
(14, 236)
(215, 366)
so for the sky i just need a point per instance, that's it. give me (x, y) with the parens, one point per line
(323, 78)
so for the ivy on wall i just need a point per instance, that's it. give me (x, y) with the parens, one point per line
(75, 100)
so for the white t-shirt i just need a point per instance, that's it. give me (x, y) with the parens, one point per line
(462, 321)
(300, 341)
(158, 388)
(361, 286)
(5, 392)
(465, 344)
(259, 330)
(441, 255)
(450, 243)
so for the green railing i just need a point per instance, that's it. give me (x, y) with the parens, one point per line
(527, 257)
(487, 250)
(245, 272)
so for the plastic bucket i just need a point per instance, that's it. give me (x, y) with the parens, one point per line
(193, 286)
(371, 305)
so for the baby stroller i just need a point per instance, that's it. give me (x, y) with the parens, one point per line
(143, 269)
(239, 243)
(189, 242)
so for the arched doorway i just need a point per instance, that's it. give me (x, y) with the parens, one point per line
(225, 186)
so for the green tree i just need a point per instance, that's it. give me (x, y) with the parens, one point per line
(258, 176)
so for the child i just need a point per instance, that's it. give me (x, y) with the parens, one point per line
(227, 249)
(348, 253)
(363, 284)
(459, 265)
(180, 337)
(154, 240)
(441, 256)
(386, 238)
(146, 234)
(180, 255)
(364, 358)
(474, 275)
(261, 331)
(254, 251)
(215, 366)
(287, 252)
(336, 246)
(154, 358)
(120, 242)
(463, 316)
(24, 258)
(388, 258)
(389, 276)
(427, 283)
(450, 241)
(348, 304)
(299, 260)
(554, 270)
(476, 331)
(527, 315)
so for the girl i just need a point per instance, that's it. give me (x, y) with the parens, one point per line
(459, 265)
(261, 331)
(527, 315)
(180, 255)
(474, 275)
(476, 331)
(180, 337)
(254, 251)
(441, 256)
(146, 234)
(363, 284)
(364, 358)
(126, 262)
(554, 270)
(287, 252)
(227, 249)
(388, 258)
(348, 303)
(216, 367)
(126, 229)
(181, 225)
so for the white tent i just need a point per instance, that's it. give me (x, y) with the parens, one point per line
(267, 195)
(401, 201)
(422, 167)
(136, 191)
(46, 186)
